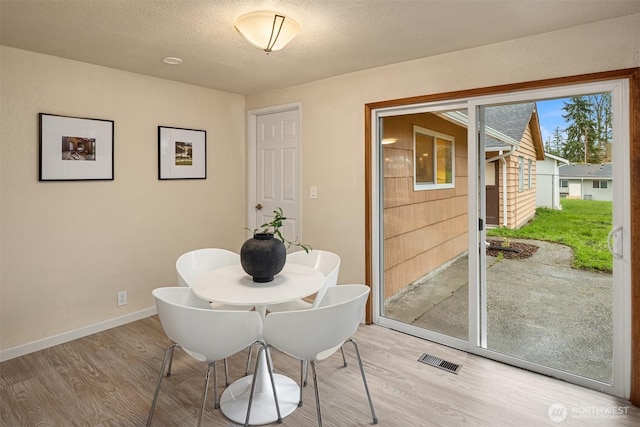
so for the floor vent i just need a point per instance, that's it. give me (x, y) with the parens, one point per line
(439, 363)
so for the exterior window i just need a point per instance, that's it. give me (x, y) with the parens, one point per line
(520, 173)
(434, 159)
(564, 183)
(600, 184)
(529, 184)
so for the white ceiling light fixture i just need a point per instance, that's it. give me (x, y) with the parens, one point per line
(267, 30)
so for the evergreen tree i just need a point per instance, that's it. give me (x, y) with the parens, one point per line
(556, 142)
(582, 144)
(601, 114)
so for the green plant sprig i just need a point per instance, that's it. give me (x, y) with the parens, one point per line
(273, 227)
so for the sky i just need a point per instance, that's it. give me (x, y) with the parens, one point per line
(550, 116)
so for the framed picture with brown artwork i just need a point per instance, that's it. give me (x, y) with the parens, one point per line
(75, 149)
(182, 153)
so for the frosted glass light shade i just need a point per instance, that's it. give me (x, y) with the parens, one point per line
(267, 30)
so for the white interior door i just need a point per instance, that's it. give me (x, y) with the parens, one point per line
(277, 170)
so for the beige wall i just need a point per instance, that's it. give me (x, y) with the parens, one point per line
(134, 227)
(333, 114)
(69, 247)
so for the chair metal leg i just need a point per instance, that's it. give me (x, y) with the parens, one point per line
(246, 370)
(167, 355)
(306, 373)
(306, 370)
(226, 373)
(263, 347)
(315, 387)
(253, 385)
(171, 360)
(364, 380)
(273, 383)
(206, 387)
(216, 402)
(303, 380)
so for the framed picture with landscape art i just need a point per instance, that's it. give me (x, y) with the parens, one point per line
(182, 153)
(75, 149)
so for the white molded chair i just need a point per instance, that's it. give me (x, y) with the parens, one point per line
(315, 334)
(328, 263)
(205, 334)
(193, 264)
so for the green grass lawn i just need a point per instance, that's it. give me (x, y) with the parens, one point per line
(581, 224)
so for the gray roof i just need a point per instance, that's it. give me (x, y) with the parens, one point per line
(511, 120)
(554, 157)
(604, 170)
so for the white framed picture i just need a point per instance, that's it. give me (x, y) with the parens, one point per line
(182, 153)
(75, 149)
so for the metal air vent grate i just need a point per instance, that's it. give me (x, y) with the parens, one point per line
(439, 363)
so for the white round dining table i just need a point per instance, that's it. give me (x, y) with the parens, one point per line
(231, 285)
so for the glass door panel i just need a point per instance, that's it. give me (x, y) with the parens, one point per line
(542, 305)
(425, 221)
(547, 279)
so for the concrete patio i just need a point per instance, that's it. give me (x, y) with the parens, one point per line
(538, 309)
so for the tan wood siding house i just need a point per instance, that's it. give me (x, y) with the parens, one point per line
(425, 229)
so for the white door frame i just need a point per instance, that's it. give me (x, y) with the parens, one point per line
(252, 120)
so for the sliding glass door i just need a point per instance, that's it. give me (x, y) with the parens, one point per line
(424, 221)
(482, 246)
(553, 278)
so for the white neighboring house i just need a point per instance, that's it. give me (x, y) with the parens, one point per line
(548, 181)
(587, 181)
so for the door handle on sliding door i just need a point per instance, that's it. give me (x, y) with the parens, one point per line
(614, 242)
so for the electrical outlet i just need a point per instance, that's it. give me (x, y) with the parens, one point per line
(122, 298)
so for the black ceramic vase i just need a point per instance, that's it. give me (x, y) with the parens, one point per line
(262, 257)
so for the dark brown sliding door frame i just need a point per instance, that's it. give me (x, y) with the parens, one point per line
(633, 76)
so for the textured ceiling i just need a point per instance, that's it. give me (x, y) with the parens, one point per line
(337, 36)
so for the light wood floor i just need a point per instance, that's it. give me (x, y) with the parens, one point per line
(108, 379)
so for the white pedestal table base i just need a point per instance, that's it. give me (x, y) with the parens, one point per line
(235, 400)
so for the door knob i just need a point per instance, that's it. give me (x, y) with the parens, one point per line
(259, 207)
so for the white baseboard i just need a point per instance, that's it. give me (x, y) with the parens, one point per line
(54, 340)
